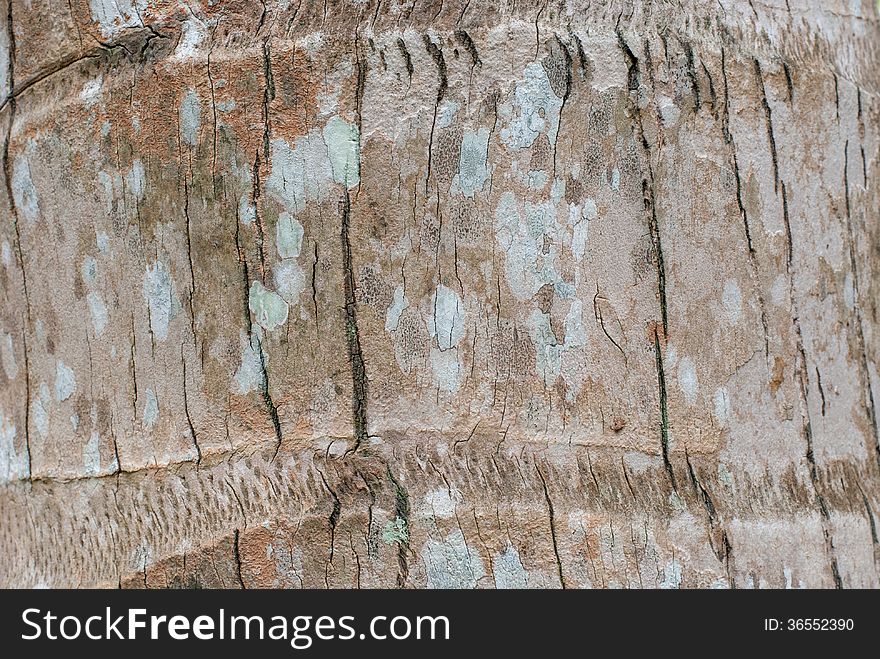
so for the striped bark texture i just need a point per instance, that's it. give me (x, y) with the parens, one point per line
(383, 293)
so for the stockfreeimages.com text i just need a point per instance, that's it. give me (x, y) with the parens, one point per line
(300, 631)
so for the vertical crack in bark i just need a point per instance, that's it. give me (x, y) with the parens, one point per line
(692, 74)
(753, 257)
(407, 58)
(258, 213)
(401, 512)
(333, 520)
(807, 433)
(768, 116)
(236, 555)
(552, 517)
(7, 175)
(437, 55)
(724, 551)
(254, 336)
(352, 333)
(192, 430)
(789, 83)
(568, 80)
(868, 390)
(315, 284)
(664, 410)
(189, 254)
(465, 40)
(268, 97)
(634, 86)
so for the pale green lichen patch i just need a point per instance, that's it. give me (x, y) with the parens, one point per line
(113, 16)
(92, 455)
(398, 305)
(535, 110)
(136, 179)
(530, 239)
(472, 167)
(249, 375)
(451, 563)
(97, 311)
(7, 357)
(13, 463)
(23, 191)
(300, 173)
(151, 409)
(343, 148)
(395, 532)
(508, 570)
(446, 320)
(65, 382)
(161, 299)
(288, 236)
(269, 309)
(190, 117)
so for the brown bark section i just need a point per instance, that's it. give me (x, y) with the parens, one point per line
(438, 294)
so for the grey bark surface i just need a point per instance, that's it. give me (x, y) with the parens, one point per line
(439, 294)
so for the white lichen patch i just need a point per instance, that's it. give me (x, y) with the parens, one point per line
(23, 191)
(190, 115)
(288, 236)
(249, 375)
(13, 464)
(447, 369)
(398, 305)
(91, 455)
(65, 382)
(548, 353)
(161, 299)
(473, 169)
(97, 311)
(40, 410)
(247, 211)
(90, 93)
(671, 575)
(7, 356)
(535, 110)
(723, 409)
(441, 503)
(446, 318)
(687, 380)
(114, 16)
(136, 179)
(151, 410)
(290, 280)
(451, 563)
(193, 33)
(343, 148)
(508, 570)
(6, 254)
(89, 270)
(731, 298)
(446, 113)
(300, 174)
(523, 236)
(269, 309)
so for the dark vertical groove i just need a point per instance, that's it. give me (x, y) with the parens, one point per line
(352, 334)
(7, 174)
(552, 528)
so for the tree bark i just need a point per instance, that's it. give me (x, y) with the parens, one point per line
(444, 294)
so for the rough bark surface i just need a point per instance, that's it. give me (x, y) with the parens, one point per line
(445, 294)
